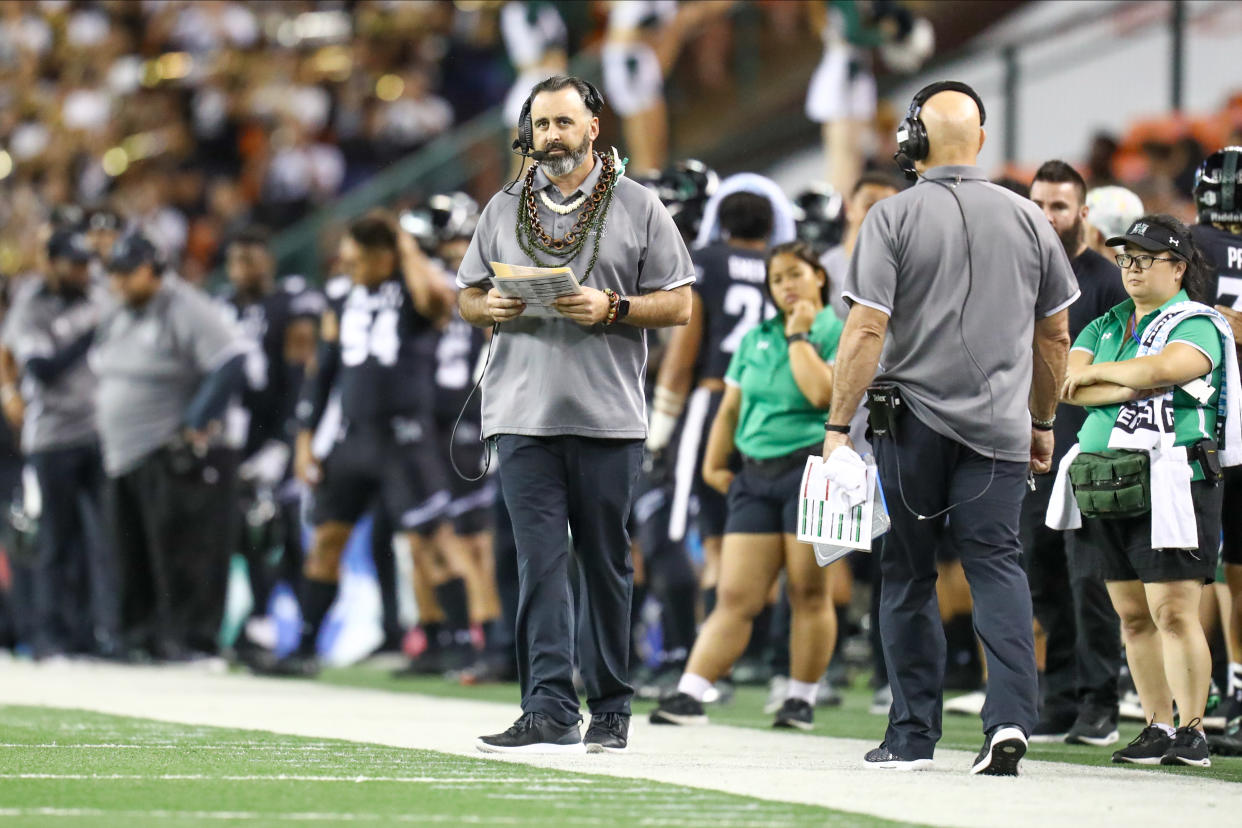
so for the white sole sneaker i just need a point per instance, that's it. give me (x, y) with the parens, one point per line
(1095, 741)
(545, 748)
(1008, 746)
(593, 747)
(664, 717)
(902, 765)
(1051, 739)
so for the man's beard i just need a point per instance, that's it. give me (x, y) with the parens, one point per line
(1071, 238)
(566, 162)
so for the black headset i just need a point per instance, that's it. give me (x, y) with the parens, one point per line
(912, 143)
(525, 143)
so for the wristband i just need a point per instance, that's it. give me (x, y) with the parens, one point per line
(1043, 425)
(797, 337)
(1039, 427)
(833, 428)
(614, 306)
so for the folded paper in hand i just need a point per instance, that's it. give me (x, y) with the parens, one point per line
(833, 518)
(538, 287)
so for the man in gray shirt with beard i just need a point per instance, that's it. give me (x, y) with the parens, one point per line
(49, 331)
(564, 400)
(167, 365)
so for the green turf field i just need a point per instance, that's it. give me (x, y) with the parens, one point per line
(68, 767)
(851, 720)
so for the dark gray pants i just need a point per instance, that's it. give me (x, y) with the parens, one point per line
(550, 483)
(936, 472)
(1072, 605)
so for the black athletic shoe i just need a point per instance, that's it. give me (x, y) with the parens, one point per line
(534, 733)
(1001, 752)
(608, 733)
(679, 709)
(426, 663)
(1095, 727)
(294, 665)
(1228, 743)
(795, 713)
(882, 758)
(1050, 729)
(1189, 747)
(1147, 748)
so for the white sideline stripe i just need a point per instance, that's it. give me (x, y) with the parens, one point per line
(266, 816)
(196, 777)
(230, 746)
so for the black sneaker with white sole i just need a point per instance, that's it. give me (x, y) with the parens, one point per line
(1228, 743)
(608, 733)
(1052, 729)
(1147, 748)
(534, 733)
(882, 758)
(1001, 752)
(1190, 747)
(1096, 727)
(795, 714)
(679, 709)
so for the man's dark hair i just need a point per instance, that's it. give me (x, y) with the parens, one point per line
(746, 216)
(253, 236)
(374, 232)
(876, 178)
(1058, 172)
(558, 82)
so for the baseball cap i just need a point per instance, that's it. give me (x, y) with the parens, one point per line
(1154, 239)
(130, 253)
(69, 244)
(1112, 209)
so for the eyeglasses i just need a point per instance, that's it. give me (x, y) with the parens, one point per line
(1143, 260)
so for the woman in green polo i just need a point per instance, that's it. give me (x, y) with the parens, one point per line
(1156, 591)
(779, 384)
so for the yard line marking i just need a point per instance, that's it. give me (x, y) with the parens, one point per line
(197, 777)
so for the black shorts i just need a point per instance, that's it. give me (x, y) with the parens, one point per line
(399, 463)
(763, 498)
(691, 496)
(1122, 547)
(471, 507)
(1231, 517)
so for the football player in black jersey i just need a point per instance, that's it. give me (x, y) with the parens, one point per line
(1218, 198)
(280, 322)
(729, 300)
(373, 380)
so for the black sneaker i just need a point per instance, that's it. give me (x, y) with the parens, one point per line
(1094, 727)
(882, 758)
(1001, 752)
(608, 733)
(679, 709)
(1147, 748)
(795, 713)
(534, 733)
(1228, 743)
(1189, 747)
(1051, 729)
(426, 663)
(294, 665)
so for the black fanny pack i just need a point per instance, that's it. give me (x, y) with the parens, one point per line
(1114, 483)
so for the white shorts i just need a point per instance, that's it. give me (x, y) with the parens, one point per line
(833, 95)
(633, 81)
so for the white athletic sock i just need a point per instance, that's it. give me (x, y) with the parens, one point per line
(695, 687)
(801, 690)
(1169, 730)
(1235, 679)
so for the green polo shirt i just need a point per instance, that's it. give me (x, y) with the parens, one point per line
(776, 418)
(1106, 339)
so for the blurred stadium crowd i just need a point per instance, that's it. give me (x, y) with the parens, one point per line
(204, 126)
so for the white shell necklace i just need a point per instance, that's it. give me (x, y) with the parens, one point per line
(562, 209)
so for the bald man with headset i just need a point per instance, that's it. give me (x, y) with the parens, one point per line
(953, 286)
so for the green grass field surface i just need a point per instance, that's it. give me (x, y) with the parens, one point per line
(69, 767)
(851, 720)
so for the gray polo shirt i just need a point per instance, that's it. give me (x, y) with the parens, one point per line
(150, 363)
(59, 413)
(911, 263)
(836, 263)
(553, 376)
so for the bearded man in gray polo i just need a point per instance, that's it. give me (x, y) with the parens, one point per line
(563, 399)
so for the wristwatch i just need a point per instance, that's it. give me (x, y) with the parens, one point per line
(797, 337)
(623, 308)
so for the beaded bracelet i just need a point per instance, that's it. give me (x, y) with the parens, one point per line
(614, 304)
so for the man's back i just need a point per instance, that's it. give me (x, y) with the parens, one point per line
(730, 283)
(963, 280)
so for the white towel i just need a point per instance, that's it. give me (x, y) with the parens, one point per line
(1173, 522)
(1062, 507)
(784, 226)
(847, 472)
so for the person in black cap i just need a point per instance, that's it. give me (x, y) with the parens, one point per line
(167, 364)
(1150, 373)
(48, 332)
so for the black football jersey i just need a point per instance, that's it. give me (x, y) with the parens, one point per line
(271, 389)
(457, 354)
(731, 285)
(387, 354)
(1224, 251)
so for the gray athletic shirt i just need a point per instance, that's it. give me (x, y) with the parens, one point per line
(150, 363)
(911, 262)
(61, 413)
(553, 376)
